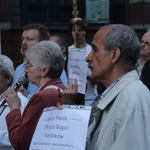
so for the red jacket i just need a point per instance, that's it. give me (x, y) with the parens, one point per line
(21, 128)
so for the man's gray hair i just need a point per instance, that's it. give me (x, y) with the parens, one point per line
(125, 38)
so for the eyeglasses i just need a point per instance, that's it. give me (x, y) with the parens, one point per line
(28, 65)
(145, 43)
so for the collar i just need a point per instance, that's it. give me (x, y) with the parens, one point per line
(50, 82)
(116, 87)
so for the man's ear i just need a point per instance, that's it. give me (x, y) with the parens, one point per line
(116, 52)
(44, 71)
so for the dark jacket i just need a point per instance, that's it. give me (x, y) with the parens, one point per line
(145, 75)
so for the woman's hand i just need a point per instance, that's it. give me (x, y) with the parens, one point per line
(12, 99)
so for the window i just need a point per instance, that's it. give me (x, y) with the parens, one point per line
(97, 11)
(58, 13)
(48, 12)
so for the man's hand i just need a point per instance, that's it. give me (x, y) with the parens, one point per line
(69, 95)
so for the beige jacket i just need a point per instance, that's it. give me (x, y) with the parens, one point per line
(125, 121)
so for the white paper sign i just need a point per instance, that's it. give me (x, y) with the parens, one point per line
(62, 129)
(77, 68)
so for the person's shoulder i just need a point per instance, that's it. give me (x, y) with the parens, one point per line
(147, 63)
(20, 67)
(137, 91)
(71, 46)
(135, 97)
(146, 69)
(88, 45)
(49, 93)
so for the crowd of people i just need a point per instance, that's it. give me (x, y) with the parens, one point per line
(117, 86)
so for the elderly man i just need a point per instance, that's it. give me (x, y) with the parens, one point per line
(144, 52)
(44, 67)
(121, 118)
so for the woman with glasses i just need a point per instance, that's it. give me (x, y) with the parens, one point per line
(44, 66)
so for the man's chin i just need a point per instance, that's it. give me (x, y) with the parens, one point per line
(91, 77)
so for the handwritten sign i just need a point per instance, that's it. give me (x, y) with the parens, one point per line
(62, 129)
(77, 68)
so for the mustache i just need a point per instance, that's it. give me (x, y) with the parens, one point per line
(90, 66)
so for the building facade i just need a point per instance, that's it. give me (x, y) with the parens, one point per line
(56, 15)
